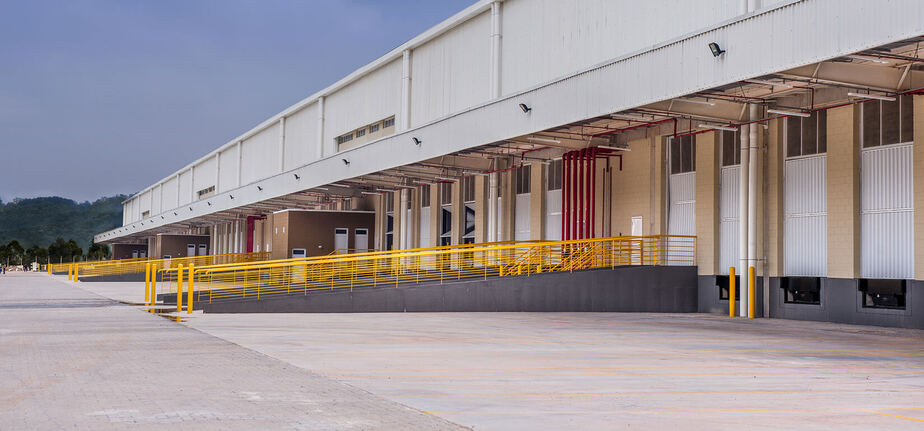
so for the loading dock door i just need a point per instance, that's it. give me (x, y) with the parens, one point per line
(203, 250)
(362, 240)
(190, 250)
(134, 254)
(298, 272)
(342, 240)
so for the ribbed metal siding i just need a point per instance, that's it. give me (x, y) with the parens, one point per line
(887, 212)
(682, 219)
(728, 218)
(805, 217)
(553, 215)
(521, 218)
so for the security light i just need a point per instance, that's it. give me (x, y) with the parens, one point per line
(174, 213)
(716, 49)
(190, 208)
(231, 196)
(525, 108)
(297, 177)
(210, 204)
(416, 141)
(260, 188)
(346, 162)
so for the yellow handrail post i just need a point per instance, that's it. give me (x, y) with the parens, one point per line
(153, 285)
(147, 284)
(76, 271)
(179, 288)
(751, 292)
(189, 295)
(70, 272)
(731, 291)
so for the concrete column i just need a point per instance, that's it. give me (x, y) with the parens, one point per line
(399, 199)
(481, 209)
(379, 239)
(435, 218)
(458, 213)
(658, 185)
(508, 204)
(843, 183)
(918, 169)
(414, 222)
(537, 201)
(774, 200)
(707, 202)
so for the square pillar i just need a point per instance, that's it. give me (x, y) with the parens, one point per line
(481, 209)
(707, 202)
(435, 216)
(843, 183)
(537, 185)
(508, 206)
(918, 169)
(774, 201)
(458, 213)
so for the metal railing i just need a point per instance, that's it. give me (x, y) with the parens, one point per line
(138, 266)
(434, 265)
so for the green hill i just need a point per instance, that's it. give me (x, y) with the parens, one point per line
(39, 221)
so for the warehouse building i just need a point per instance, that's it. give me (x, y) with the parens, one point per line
(782, 134)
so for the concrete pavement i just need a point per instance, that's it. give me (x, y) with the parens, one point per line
(70, 359)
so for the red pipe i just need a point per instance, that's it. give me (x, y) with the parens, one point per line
(574, 195)
(582, 187)
(593, 193)
(564, 196)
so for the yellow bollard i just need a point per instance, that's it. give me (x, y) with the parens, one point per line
(731, 291)
(76, 276)
(70, 272)
(189, 294)
(147, 284)
(750, 292)
(179, 288)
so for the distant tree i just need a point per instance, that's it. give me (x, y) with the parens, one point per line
(16, 252)
(35, 254)
(98, 252)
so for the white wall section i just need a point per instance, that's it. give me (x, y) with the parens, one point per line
(805, 215)
(887, 212)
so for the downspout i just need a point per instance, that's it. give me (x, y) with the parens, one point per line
(752, 204)
(496, 49)
(402, 212)
(492, 206)
(742, 219)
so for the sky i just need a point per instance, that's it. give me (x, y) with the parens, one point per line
(101, 97)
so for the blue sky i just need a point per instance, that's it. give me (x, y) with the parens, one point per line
(99, 97)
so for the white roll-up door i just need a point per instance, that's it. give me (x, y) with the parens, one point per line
(553, 215)
(887, 212)
(682, 219)
(424, 230)
(805, 227)
(729, 184)
(521, 218)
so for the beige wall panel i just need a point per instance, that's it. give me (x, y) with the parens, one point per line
(707, 202)
(843, 183)
(537, 201)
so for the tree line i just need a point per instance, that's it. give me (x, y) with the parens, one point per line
(59, 251)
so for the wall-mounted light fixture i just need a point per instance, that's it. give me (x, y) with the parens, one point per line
(231, 196)
(346, 162)
(260, 188)
(525, 108)
(716, 49)
(297, 177)
(416, 141)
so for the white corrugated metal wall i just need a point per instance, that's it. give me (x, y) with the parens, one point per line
(521, 218)
(887, 212)
(682, 216)
(260, 155)
(302, 136)
(227, 173)
(553, 215)
(729, 179)
(805, 206)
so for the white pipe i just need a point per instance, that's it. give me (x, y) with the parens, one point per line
(405, 122)
(742, 220)
(496, 49)
(752, 195)
(492, 207)
(402, 212)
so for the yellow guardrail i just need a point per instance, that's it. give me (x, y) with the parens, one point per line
(433, 265)
(138, 266)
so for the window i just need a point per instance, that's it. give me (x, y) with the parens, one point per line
(424, 196)
(807, 136)
(522, 179)
(206, 192)
(801, 290)
(388, 123)
(886, 123)
(146, 214)
(883, 293)
(731, 148)
(682, 154)
(389, 198)
(469, 222)
(345, 138)
(468, 189)
(553, 175)
(445, 193)
(361, 132)
(374, 128)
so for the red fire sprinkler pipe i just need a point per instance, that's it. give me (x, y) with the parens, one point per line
(593, 192)
(564, 197)
(582, 187)
(574, 195)
(250, 224)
